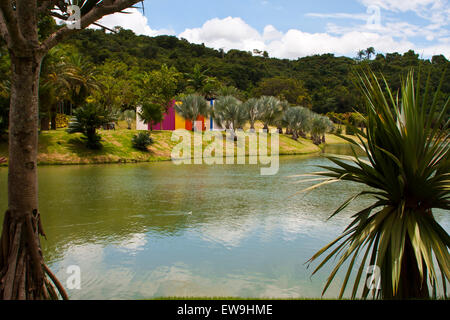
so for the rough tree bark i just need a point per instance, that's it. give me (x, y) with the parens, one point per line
(23, 273)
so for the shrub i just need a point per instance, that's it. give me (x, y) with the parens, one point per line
(87, 120)
(142, 140)
(62, 120)
(349, 130)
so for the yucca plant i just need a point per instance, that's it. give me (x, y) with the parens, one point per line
(405, 165)
(192, 106)
(296, 120)
(228, 112)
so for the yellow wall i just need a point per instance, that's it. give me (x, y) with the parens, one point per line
(179, 122)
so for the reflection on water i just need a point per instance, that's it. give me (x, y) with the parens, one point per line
(150, 230)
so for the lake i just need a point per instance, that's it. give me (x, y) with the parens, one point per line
(158, 230)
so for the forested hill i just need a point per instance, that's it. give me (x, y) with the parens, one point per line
(323, 81)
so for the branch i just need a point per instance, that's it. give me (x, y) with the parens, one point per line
(9, 21)
(3, 29)
(26, 13)
(106, 7)
(45, 5)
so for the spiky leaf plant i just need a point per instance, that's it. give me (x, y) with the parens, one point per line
(405, 165)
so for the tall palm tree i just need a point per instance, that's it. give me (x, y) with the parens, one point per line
(296, 120)
(406, 169)
(369, 52)
(229, 112)
(56, 77)
(271, 111)
(284, 105)
(84, 80)
(318, 127)
(252, 109)
(201, 83)
(192, 106)
(360, 54)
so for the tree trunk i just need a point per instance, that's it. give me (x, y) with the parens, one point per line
(411, 286)
(22, 268)
(53, 117)
(44, 124)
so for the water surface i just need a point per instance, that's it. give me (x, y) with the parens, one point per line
(155, 229)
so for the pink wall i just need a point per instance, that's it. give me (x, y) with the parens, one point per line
(168, 122)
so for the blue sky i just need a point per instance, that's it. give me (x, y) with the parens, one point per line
(292, 29)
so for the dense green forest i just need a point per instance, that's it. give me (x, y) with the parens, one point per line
(119, 69)
(324, 81)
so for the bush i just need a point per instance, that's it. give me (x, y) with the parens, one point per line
(349, 130)
(87, 120)
(62, 120)
(142, 140)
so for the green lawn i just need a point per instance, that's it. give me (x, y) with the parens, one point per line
(59, 147)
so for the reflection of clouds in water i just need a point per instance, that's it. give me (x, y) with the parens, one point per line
(294, 225)
(134, 243)
(179, 281)
(290, 225)
(229, 233)
(102, 280)
(99, 280)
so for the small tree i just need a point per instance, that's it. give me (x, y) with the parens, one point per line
(192, 106)
(151, 113)
(128, 116)
(228, 111)
(271, 111)
(296, 120)
(87, 120)
(252, 110)
(319, 126)
(142, 140)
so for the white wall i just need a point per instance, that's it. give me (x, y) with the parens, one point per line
(140, 125)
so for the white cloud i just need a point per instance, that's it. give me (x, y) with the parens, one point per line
(134, 21)
(390, 36)
(437, 11)
(358, 16)
(228, 33)
(234, 33)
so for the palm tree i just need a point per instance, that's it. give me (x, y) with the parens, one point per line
(370, 51)
(87, 120)
(201, 83)
(271, 111)
(296, 120)
(229, 112)
(192, 106)
(284, 105)
(84, 79)
(360, 54)
(54, 86)
(406, 169)
(318, 127)
(151, 113)
(252, 109)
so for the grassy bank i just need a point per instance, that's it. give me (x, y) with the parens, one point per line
(59, 147)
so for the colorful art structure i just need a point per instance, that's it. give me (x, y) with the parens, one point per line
(173, 121)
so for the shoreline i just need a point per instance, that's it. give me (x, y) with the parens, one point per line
(57, 148)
